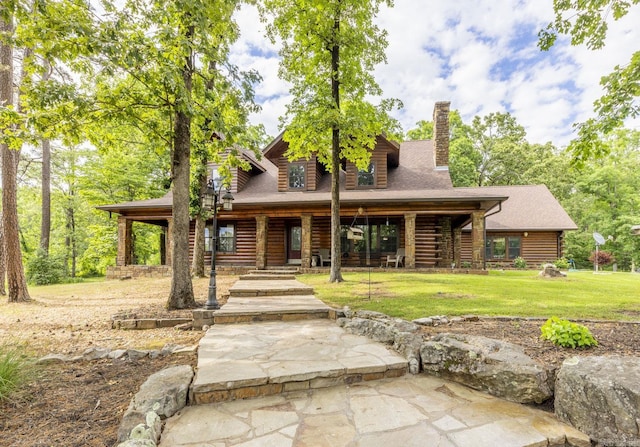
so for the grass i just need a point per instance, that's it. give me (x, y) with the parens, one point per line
(16, 369)
(582, 295)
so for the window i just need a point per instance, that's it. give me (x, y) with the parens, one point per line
(502, 247)
(297, 176)
(226, 239)
(226, 242)
(382, 238)
(388, 238)
(367, 177)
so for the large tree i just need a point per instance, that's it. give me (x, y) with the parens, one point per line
(587, 22)
(163, 56)
(329, 51)
(10, 151)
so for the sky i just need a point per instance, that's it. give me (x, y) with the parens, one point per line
(481, 55)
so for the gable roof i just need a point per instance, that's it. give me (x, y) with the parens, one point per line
(528, 208)
(415, 179)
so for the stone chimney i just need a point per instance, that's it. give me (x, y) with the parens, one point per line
(441, 134)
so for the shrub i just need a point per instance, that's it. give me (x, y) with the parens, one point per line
(567, 334)
(15, 370)
(44, 269)
(520, 263)
(562, 263)
(604, 258)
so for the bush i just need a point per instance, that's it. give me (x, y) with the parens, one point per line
(520, 263)
(15, 370)
(43, 269)
(567, 334)
(562, 263)
(604, 258)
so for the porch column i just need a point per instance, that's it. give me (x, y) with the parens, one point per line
(124, 241)
(410, 240)
(446, 245)
(457, 246)
(169, 241)
(305, 253)
(163, 246)
(477, 239)
(262, 232)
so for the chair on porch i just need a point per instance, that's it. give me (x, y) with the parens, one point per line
(398, 259)
(324, 254)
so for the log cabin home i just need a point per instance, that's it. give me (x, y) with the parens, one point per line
(404, 203)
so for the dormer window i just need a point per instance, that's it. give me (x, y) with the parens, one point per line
(367, 177)
(297, 176)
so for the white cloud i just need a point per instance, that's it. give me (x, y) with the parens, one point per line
(479, 54)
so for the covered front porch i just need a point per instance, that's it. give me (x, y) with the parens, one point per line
(261, 236)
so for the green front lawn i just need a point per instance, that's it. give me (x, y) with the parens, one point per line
(611, 296)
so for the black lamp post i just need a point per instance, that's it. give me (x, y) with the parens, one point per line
(210, 201)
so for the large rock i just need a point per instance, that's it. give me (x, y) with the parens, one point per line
(600, 396)
(401, 334)
(551, 271)
(498, 368)
(164, 393)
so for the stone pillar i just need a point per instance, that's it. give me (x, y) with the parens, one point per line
(410, 240)
(124, 241)
(307, 231)
(457, 246)
(169, 241)
(477, 240)
(262, 236)
(446, 243)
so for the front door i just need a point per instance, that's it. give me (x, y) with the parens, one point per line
(294, 244)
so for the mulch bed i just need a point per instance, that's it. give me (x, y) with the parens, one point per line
(615, 338)
(77, 404)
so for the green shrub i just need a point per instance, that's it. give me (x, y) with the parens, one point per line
(562, 263)
(520, 263)
(44, 269)
(567, 334)
(15, 370)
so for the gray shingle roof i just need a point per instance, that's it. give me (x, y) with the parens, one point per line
(528, 208)
(414, 180)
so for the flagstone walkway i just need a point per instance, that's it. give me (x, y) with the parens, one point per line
(307, 382)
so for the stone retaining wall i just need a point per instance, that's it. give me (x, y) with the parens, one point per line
(162, 271)
(138, 271)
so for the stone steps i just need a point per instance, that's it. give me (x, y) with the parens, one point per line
(262, 288)
(272, 308)
(276, 271)
(267, 277)
(253, 360)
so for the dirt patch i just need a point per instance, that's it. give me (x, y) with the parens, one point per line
(82, 403)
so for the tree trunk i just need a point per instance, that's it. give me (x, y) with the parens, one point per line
(45, 225)
(198, 248)
(70, 241)
(181, 296)
(3, 260)
(201, 222)
(336, 251)
(17, 282)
